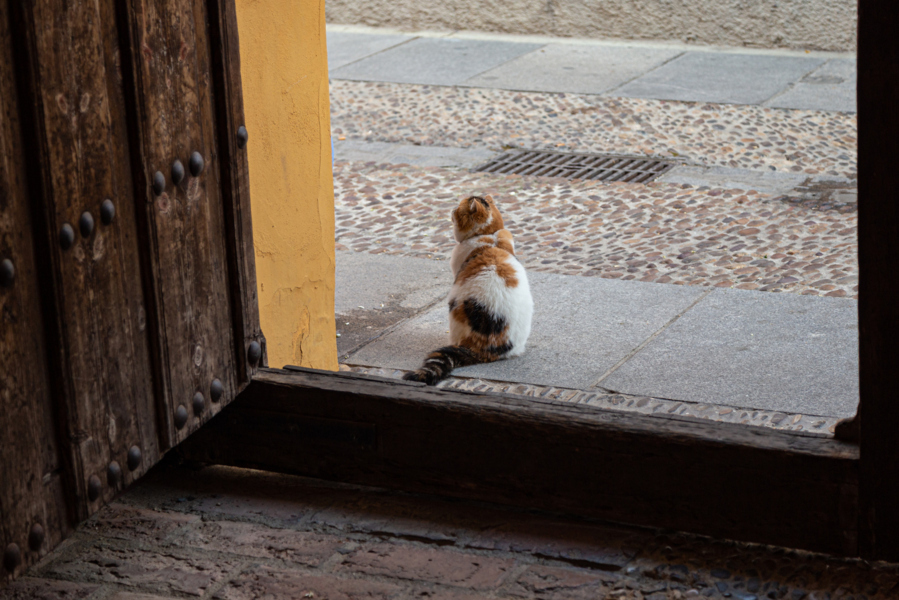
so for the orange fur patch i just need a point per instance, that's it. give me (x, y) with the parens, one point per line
(472, 215)
(458, 314)
(483, 258)
(495, 224)
(504, 241)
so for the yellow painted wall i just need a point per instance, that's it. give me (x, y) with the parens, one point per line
(283, 58)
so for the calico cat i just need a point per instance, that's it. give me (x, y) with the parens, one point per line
(490, 304)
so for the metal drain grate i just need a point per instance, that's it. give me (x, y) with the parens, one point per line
(577, 166)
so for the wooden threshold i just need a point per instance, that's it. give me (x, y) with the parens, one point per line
(718, 479)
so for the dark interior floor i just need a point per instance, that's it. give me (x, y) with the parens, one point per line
(232, 534)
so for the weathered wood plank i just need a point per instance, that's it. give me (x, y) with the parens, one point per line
(712, 478)
(235, 181)
(78, 150)
(878, 253)
(31, 494)
(184, 226)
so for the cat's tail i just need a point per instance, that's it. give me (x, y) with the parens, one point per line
(440, 363)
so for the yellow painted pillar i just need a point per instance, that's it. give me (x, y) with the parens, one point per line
(284, 69)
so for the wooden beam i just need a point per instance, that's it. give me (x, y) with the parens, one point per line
(878, 254)
(235, 180)
(717, 479)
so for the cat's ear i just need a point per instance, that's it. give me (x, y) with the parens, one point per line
(488, 198)
(472, 205)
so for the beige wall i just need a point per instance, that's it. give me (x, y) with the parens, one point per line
(797, 24)
(285, 87)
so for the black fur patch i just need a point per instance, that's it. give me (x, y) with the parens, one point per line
(452, 304)
(500, 350)
(416, 376)
(482, 320)
(459, 355)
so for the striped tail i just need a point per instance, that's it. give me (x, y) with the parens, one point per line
(440, 363)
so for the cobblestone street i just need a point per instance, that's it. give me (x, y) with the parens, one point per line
(750, 137)
(661, 232)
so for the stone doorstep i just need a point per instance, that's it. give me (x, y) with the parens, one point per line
(644, 405)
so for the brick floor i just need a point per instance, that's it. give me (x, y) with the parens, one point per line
(234, 534)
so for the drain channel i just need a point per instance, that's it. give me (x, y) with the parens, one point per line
(602, 167)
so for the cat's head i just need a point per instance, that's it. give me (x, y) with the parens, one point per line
(476, 216)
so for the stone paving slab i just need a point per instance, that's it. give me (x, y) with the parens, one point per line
(347, 47)
(570, 68)
(410, 154)
(375, 291)
(632, 69)
(831, 87)
(369, 280)
(768, 351)
(582, 328)
(434, 61)
(720, 77)
(766, 182)
(774, 352)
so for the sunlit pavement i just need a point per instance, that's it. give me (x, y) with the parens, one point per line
(762, 200)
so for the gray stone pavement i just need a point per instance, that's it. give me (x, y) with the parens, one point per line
(783, 79)
(744, 349)
(751, 349)
(420, 156)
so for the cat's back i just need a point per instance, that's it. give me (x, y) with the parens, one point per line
(493, 276)
(491, 264)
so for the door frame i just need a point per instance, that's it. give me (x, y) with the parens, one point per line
(838, 495)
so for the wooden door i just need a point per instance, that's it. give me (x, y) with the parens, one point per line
(33, 515)
(130, 318)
